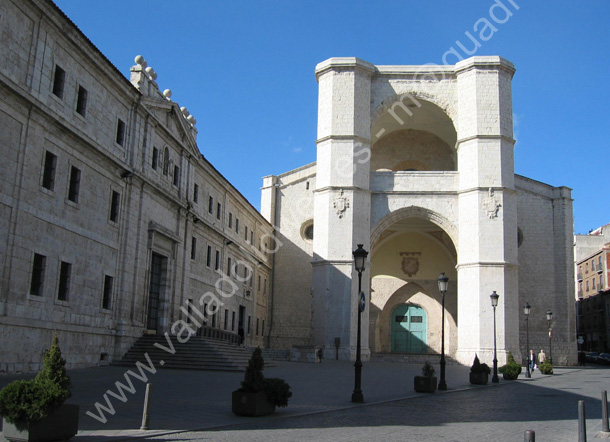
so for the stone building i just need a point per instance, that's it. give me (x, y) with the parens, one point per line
(112, 222)
(416, 163)
(592, 266)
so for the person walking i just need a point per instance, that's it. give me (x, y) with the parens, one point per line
(532, 361)
(541, 357)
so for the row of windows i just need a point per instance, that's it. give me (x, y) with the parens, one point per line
(232, 267)
(48, 182)
(599, 265)
(58, 87)
(214, 321)
(37, 281)
(593, 286)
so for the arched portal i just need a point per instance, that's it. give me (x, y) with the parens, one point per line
(406, 306)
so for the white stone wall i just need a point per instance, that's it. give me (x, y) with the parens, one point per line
(157, 213)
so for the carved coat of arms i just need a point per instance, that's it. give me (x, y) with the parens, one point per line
(491, 205)
(340, 204)
(410, 262)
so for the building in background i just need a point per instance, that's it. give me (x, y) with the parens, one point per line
(592, 254)
(112, 222)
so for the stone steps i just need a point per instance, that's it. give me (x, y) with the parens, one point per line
(198, 353)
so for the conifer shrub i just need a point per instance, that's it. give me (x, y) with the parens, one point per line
(23, 402)
(276, 390)
(511, 369)
(477, 367)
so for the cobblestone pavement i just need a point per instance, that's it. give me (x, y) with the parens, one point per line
(547, 404)
(320, 409)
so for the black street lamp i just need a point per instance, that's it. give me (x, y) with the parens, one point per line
(494, 303)
(443, 282)
(359, 260)
(549, 317)
(526, 311)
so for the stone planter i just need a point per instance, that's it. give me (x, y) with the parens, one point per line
(425, 385)
(251, 404)
(60, 425)
(479, 378)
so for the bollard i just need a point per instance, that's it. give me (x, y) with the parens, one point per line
(582, 424)
(605, 427)
(530, 436)
(145, 415)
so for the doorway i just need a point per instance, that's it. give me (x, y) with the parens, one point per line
(409, 329)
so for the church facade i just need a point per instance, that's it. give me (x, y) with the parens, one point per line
(416, 163)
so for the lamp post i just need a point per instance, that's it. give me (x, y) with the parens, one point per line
(494, 303)
(443, 282)
(549, 317)
(526, 311)
(359, 260)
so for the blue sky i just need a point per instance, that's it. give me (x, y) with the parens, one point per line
(245, 70)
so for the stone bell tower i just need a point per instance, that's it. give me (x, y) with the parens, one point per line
(341, 202)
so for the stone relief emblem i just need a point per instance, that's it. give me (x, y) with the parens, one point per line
(410, 262)
(491, 205)
(341, 204)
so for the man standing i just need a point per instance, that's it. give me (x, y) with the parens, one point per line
(541, 358)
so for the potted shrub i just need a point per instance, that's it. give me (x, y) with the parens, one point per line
(546, 368)
(34, 410)
(258, 396)
(511, 370)
(426, 383)
(479, 373)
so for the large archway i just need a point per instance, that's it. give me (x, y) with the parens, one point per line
(408, 255)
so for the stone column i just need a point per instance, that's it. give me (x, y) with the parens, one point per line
(487, 257)
(341, 204)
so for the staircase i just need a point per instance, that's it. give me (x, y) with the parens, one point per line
(198, 353)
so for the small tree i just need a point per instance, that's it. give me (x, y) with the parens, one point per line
(23, 402)
(477, 367)
(253, 378)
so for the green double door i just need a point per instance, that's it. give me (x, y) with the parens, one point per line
(409, 329)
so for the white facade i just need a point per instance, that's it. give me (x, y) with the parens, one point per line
(416, 163)
(112, 223)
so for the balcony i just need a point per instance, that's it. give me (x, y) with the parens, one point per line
(414, 182)
(579, 276)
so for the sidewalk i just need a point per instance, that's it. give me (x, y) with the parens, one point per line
(194, 400)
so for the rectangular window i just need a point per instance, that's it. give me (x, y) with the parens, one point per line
(249, 324)
(74, 184)
(189, 310)
(601, 283)
(246, 235)
(263, 329)
(230, 220)
(107, 296)
(587, 286)
(120, 132)
(48, 175)
(211, 205)
(217, 263)
(155, 158)
(251, 237)
(229, 267)
(256, 326)
(65, 271)
(265, 287)
(59, 80)
(115, 206)
(232, 321)
(226, 319)
(259, 283)
(218, 210)
(237, 225)
(193, 248)
(81, 101)
(176, 175)
(195, 193)
(208, 258)
(593, 265)
(38, 269)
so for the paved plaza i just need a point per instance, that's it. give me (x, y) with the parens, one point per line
(196, 405)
